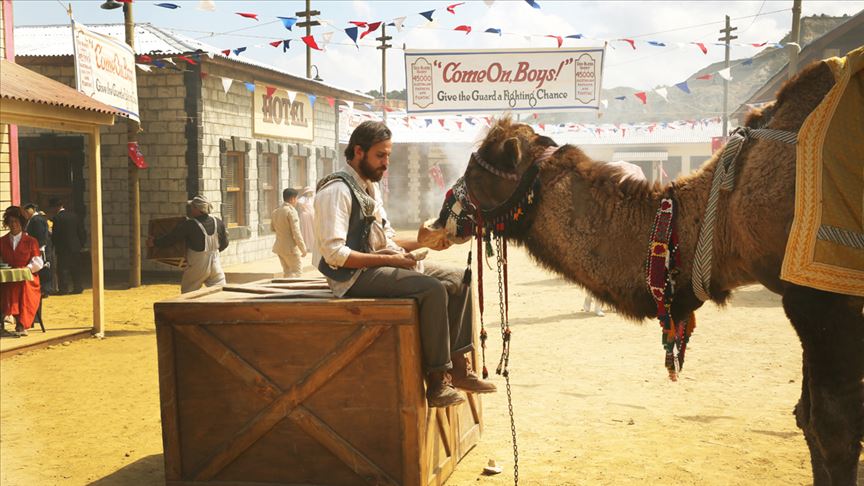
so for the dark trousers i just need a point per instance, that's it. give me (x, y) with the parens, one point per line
(68, 271)
(444, 304)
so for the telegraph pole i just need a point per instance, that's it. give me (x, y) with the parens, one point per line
(308, 23)
(796, 36)
(726, 38)
(134, 181)
(384, 46)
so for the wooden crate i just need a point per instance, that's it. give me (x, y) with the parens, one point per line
(277, 382)
(174, 255)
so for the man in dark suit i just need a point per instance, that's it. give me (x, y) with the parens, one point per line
(68, 237)
(37, 227)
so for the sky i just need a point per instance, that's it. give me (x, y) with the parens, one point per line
(676, 24)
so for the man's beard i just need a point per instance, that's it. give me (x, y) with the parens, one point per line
(368, 172)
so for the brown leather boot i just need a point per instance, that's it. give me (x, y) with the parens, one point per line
(439, 391)
(464, 377)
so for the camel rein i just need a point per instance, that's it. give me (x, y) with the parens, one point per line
(724, 179)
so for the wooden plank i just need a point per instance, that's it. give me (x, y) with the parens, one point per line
(96, 263)
(445, 428)
(368, 311)
(413, 407)
(231, 361)
(354, 459)
(169, 406)
(323, 371)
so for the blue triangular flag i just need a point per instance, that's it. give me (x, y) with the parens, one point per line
(492, 30)
(533, 3)
(658, 44)
(352, 33)
(368, 106)
(428, 121)
(172, 6)
(748, 62)
(470, 120)
(288, 22)
(311, 99)
(250, 87)
(158, 63)
(622, 98)
(428, 14)
(239, 50)
(683, 87)
(574, 36)
(286, 44)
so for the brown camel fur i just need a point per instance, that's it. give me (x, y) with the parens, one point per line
(593, 228)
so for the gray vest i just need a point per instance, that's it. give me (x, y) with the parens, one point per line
(359, 223)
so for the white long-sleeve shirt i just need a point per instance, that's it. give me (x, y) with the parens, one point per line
(332, 215)
(36, 262)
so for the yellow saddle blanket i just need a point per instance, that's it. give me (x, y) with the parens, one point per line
(826, 243)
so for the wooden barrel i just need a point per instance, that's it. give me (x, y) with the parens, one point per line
(277, 382)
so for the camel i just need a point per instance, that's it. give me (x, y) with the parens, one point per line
(591, 225)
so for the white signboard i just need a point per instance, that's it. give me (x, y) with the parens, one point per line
(281, 113)
(489, 81)
(105, 70)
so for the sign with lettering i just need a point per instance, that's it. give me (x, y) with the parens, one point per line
(105, 70)
(281, 113)
(490, 81)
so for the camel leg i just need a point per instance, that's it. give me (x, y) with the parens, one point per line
(831, 410)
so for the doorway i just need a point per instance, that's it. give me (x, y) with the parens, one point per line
(53, 166)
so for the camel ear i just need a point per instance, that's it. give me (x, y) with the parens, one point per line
(512, 151)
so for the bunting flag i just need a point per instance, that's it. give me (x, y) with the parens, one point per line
(464, 28)
(492, 30)
(663, 93)
(657, 44)
(428, 14)
(747, 62)
(350, 105)
(171, 6)
(557, 38)
(292, 95)
(574, 36)
(326, 36)
(761, 44)
(351, 32)
(533, 4)
(286, 44)
(358, 23)
(276, 43)
(621, 98)
(605, 103)
(253, 16)
(239, 50)
(372, 27)
(725, 73)
(683, 87)
(452, 8)
(226, 52)
(207, 5)
(144, 67)
(642, 96)
(398, 23)
(331, 101)
(631, 42)
(701, 47)
(250, 86)
(288, 22)
(310, 41)
(312, 99)
(145, 58)
(706, 77)
(184, 58)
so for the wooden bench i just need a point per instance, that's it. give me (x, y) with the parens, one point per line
(277, 382)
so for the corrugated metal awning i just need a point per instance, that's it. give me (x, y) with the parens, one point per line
(640, 156)
(20, 83)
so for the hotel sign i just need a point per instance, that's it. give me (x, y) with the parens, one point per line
(490, 81)
(105, 70)
(281, 113)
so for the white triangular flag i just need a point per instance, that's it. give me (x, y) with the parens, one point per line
(350, 105)
(398, 21)
(291, 96)
(168, 59)
(605, 103)
(226, 84)
(207, 5)
(144, 67)
(662, 92)
(725, 73)
(326, 36)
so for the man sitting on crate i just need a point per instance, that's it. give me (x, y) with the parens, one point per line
(361, 258)
(205, 237)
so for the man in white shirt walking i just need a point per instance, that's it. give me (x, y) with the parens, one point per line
(289, 244)
(361, 258)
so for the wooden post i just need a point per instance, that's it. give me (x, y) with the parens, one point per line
(726, 38)
(95, 161)
(796, 39)
(134, 175)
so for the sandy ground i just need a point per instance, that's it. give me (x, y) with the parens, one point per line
(592, 401)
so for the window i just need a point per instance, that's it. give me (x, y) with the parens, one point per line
(299, 173)
(233, 207)
(268, 176)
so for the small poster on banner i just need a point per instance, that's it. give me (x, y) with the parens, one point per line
(489, 81)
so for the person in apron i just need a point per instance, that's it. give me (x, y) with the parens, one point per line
(203, 267)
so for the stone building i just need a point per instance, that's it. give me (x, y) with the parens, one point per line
(233, 129)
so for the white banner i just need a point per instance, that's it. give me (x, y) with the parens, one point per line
(490, 81)
(105, 70)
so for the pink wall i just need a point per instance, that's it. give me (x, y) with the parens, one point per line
(9, 41)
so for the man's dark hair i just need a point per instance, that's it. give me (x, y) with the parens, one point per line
(32, 206)
(55, 202)
(289, 194)
(366, 135)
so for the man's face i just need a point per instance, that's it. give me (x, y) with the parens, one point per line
(28, 213)
(373, 163)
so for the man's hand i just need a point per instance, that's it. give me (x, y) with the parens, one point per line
(401, 260)
(433, 239)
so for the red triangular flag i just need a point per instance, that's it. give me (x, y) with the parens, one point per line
(452, 8)
(641, 95)
(276, 43)
(542, 126)
(358, 23)
(145, 59)
(464, 28)
(631, 42)
(558, 38)
(184, 58)
(248, 15)
(370, 28)
(702, 47)
(331, 101)
(705, 77)
(227, 52)
(459, 124)
(310, 41)
(270, 91)
(535, 115)
(441, 121)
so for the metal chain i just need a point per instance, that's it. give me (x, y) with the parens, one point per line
(505, 357)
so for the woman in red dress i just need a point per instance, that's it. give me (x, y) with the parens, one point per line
(18, 250)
